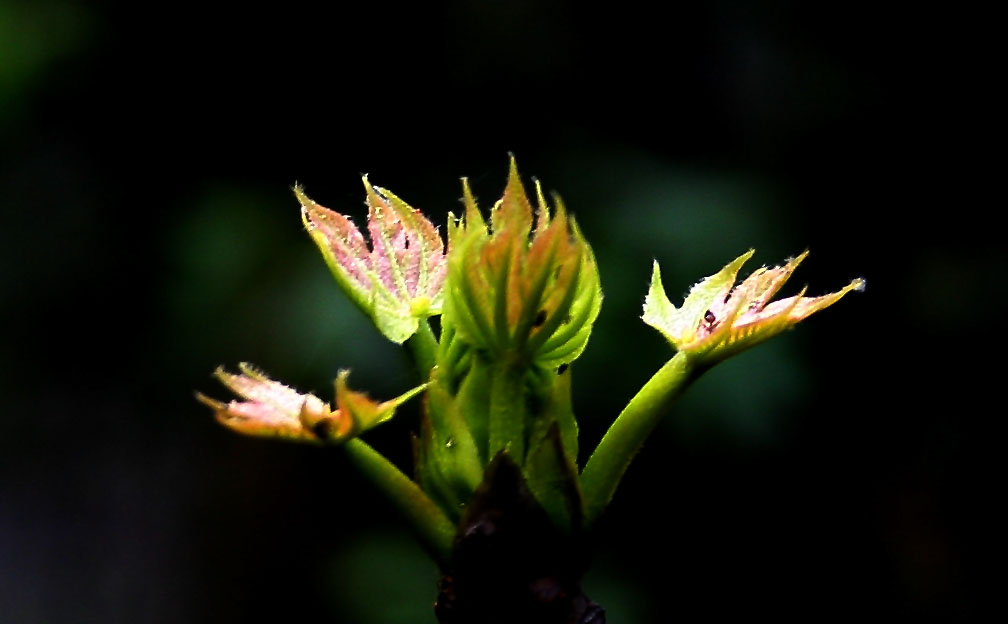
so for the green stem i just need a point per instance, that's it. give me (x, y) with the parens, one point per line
(605, 467)
(435, 530)
(424, 347)
(507, 411)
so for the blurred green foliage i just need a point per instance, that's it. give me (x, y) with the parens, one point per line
(35, 37)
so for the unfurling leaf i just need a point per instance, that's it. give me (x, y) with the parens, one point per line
(719, 318)
(396, 282)
(271, 409)
(532, 295)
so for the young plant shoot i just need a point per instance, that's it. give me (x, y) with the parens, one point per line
(496, 495)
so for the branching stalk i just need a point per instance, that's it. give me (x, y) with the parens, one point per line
(605, 467)
(432, 526)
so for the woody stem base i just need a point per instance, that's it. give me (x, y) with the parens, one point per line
(510, 564)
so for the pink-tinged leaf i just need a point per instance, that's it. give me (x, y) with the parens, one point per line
(271, 409)
(342, 246)
(387, 242)
(717, 320)
(400, 278)
(422, 253)
(808, 305)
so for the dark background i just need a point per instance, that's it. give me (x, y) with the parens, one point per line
(149, 234)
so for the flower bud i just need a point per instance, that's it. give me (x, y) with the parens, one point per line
(521, 295)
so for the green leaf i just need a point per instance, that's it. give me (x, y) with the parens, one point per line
(561, 411)
(553, 479)
(679, 325)
(429, 473)
(452, 446)
(473, 401)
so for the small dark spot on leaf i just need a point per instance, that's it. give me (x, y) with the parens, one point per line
(539, 319)
(709, 316)
(322, 429)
